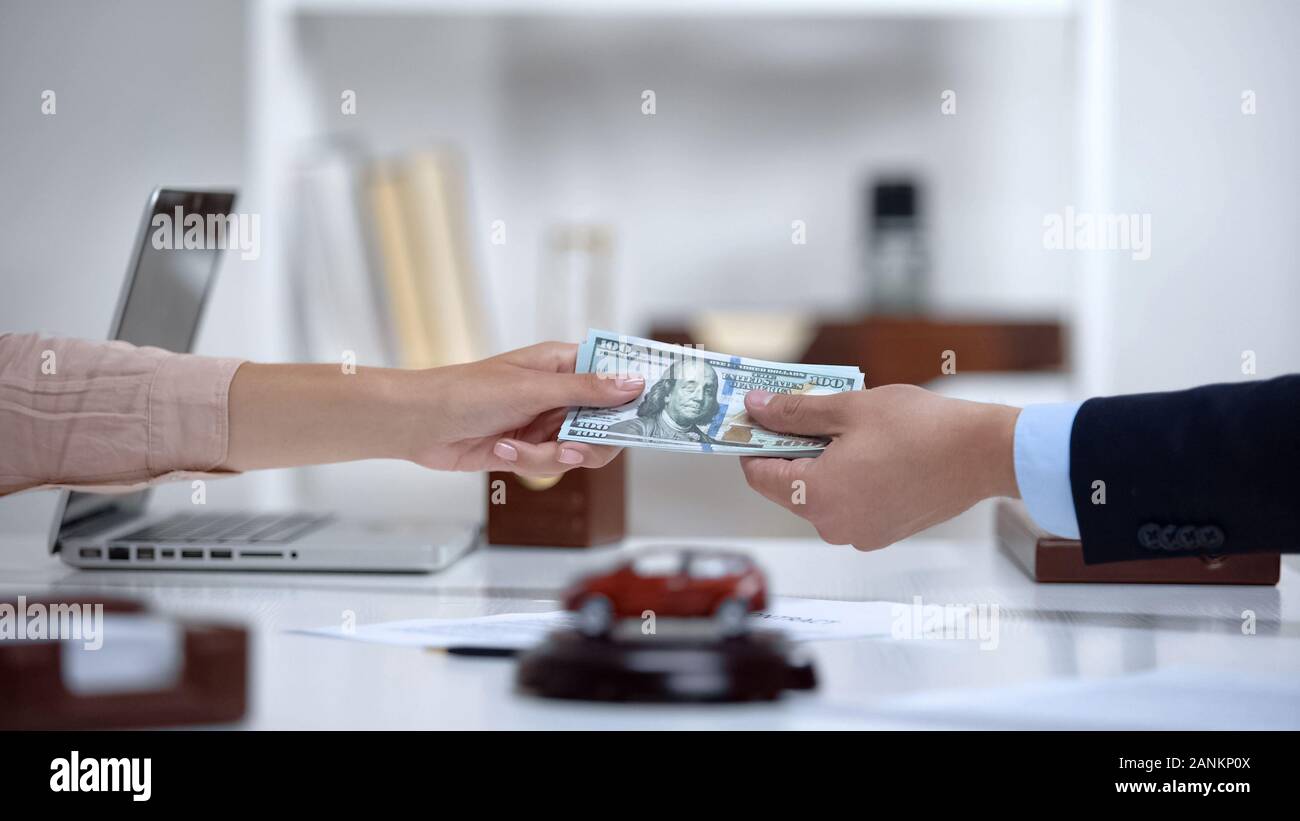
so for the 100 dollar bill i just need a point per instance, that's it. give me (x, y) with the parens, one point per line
(694, 400)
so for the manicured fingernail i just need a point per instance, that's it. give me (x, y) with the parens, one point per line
(627, 383)
(506, 451)
(758, 399)
(569, 456)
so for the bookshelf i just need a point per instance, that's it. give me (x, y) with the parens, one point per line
(286, 109)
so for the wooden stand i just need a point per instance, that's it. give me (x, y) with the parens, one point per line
(581, 509)
(1049, 558)
(661, 668)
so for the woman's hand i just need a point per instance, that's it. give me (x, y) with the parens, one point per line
(901, 459)
(503, 413)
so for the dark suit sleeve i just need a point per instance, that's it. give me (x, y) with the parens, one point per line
(1213, 470)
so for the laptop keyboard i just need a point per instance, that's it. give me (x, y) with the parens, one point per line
(220, 528)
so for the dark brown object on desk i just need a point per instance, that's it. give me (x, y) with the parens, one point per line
(1049, 558)
(910, 350)
(664, 668)
(583, 508)
(211, 689)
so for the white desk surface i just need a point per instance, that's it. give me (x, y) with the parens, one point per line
(1056, 643)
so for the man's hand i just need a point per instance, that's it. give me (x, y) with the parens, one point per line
(902, 459)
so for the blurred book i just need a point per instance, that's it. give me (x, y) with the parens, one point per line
(406, 305)
(382, 266)
(339, 291)
(430, 205)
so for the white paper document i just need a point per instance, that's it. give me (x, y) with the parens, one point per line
(799, 619)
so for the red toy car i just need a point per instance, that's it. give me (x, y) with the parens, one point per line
(671, 583)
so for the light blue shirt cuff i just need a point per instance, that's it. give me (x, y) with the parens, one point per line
(1042, 452)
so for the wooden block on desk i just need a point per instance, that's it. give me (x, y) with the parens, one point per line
(583, 508)
(1049, 558)
(910, 350)
(211, 686)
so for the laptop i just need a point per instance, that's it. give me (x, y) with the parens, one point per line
(161, 305)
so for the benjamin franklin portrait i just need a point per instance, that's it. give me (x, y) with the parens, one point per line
(685, 398)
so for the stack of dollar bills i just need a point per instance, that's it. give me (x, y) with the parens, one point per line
(694, 400)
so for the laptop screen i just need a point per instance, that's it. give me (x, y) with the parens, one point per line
(161, 304)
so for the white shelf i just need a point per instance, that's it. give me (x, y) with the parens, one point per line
(693, 8)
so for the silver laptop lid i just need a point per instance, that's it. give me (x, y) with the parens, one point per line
(161, 304)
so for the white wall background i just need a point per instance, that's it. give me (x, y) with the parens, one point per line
(149, 92)
(1221, 188)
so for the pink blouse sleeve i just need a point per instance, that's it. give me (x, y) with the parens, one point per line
(107, 416)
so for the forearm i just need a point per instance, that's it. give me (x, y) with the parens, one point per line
(987, 443)
(289, 415)
(79, 413)
(113, 416)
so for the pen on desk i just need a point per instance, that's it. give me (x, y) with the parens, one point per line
(481, 652)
